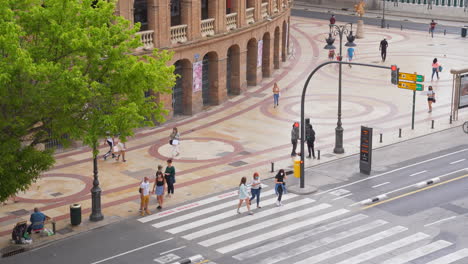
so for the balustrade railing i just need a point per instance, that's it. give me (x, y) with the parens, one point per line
(178, 34)
(207, 27)
(147, 38)
(264, 10)
(249, 15)
(231, 21)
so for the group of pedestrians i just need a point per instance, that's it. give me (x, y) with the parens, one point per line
(309, 138)
(162, 181)
(116, 148)
(256, 188)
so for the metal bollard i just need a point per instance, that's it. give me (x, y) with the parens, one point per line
(272, 167)
(445, 32)
(432, 124)
(399, 134)
(380, 137)
(401, 27)
(318, 154)
(450, 119)
(388, 26)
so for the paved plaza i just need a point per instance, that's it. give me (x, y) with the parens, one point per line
(246, 134)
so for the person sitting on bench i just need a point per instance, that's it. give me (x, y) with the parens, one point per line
(37, 221)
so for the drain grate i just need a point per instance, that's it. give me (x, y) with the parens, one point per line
(12, 250)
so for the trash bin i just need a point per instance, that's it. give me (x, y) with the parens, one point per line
(297, 168)
(75, 214)
(463, 32)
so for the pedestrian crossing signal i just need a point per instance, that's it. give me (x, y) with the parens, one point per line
(395, 74)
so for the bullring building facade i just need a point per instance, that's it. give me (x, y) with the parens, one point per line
(220, 46)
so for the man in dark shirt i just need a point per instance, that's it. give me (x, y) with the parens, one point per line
(383, 49)
(310, 138)
(37, 220)
(169, 175)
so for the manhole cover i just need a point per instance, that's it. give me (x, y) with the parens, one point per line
(238, 163)
(65, 230)
(20, 212)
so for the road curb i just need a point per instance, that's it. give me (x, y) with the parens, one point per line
(426, 183)
(374, 200)
(192, 259)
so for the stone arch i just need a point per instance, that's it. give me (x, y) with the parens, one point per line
(140, 13)
(233, 82)
(266, 68)
(276, 48)
(283, 41)
(182, 90)
(210, 79)
(252, 54)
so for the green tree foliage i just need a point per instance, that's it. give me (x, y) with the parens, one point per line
(66, 69)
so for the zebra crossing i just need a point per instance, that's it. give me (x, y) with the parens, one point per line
(303, 231)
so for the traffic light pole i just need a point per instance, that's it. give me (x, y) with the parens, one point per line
(414, 106)
(304, 90)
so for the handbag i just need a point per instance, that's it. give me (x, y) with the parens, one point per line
(434, 100)
(440, 68)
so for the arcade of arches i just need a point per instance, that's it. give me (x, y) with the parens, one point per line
(210, 73)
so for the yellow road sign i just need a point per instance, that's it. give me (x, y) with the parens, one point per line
(410, 86)
(407, 76)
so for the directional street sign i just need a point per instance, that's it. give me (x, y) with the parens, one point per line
(411, 77)
(411, 86)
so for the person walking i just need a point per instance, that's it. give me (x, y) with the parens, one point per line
(351, 53)
(174, 140)
(331, 54)
(159, 186)
(294, 138)
(256, 188)
(435, 69)
(432, 26)
(383, 49)
(430, 98)
(332, 20)
(243, 196)
(276, 95)
(144, 196)
(109, 141)
(119, 149)
(169, 174)
(280, 186)
(310, 138)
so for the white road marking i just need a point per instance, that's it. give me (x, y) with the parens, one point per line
(284, 230)
(353, 245)
(343, 196)
(321, 242)
(384, 249)
(133, 250)
(452, 257)
(441, 220)
(392, 171)
(412, 185)
(243, 220)
(382, 184)
(419, 252)
(255, 228)
(454, 162)
(289, 240)
(169, 251)
(417, 173)
(215, 208)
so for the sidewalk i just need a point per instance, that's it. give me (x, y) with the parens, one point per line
(246, 133)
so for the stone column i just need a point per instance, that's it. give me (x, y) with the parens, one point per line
(125, 9)
(191, 16)
(159, 20)
(217, 10)
(270, 7)
(239, 6)
(219, 94)
(258, 11)
(243, 69)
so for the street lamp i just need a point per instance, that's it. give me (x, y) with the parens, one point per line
(383, 15)
(96, 214)
(341, 30)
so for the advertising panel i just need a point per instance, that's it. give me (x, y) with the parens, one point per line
(197, 76)
(463, 102)
(260, 53)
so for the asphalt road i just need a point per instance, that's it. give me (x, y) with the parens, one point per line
(376, 22)
(413, 224)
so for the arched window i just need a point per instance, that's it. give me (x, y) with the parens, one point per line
(140, 14)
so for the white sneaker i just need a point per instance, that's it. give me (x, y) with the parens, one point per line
(278, 203)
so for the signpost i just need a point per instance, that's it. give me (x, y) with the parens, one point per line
(365, 154)
(413, 78)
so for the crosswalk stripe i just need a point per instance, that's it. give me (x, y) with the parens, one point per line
(385, 249)
(233, 212)
(255, 228)
(188, 206)
(322, 242)
(204, 211)
(353, 245)
(452, 257)
(289, 240)
(280, 231)
(419, 252)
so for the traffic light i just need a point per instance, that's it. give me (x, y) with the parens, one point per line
(395, 74)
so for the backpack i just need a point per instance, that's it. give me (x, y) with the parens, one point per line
(18, 232)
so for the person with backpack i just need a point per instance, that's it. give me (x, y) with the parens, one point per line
(436, 68)
(18, 232)
(310, 138)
